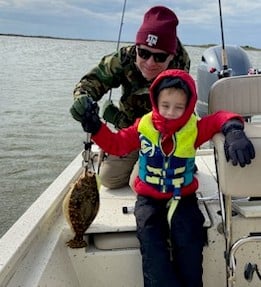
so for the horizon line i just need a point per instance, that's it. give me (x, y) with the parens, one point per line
(100, 40)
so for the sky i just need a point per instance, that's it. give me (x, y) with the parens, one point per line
(102, 19)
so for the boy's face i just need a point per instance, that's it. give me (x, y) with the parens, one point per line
(172, 103)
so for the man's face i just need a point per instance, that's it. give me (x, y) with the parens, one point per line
(151, 61)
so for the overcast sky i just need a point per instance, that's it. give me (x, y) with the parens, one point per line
(101, 19)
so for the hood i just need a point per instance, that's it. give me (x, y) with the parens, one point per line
(166, 126)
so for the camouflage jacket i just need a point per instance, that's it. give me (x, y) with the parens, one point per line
(119, 69)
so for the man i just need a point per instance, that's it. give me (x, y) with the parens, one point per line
(134, 67)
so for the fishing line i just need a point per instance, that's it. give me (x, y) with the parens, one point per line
(224, 55)
(226, 72)
(119, 36)
(102, 154)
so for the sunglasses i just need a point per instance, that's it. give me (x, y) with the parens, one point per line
(146, 54)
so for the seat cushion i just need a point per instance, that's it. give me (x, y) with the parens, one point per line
(235, 180)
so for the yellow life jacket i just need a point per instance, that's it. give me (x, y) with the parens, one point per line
(167, 173)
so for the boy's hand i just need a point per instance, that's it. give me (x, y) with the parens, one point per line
(238, 147)
(86, 111)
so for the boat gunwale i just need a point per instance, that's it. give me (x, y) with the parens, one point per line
(41, 213)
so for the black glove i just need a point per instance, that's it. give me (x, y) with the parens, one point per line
(86, 111)
(79, 106)
(111, 113)
(237, 146)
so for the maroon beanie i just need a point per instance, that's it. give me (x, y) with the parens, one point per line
(158, 29)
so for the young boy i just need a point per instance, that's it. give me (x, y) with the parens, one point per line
(166, 209)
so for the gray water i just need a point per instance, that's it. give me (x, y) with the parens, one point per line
(38, 136)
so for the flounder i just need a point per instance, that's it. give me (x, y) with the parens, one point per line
(80, 207)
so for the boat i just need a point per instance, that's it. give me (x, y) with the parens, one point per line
(34, 251)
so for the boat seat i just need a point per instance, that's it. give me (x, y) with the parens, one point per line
(240, 94)
(235, 180)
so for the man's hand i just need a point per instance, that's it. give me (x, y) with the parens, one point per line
(110, 112)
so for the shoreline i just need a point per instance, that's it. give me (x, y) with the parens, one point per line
(246, 47)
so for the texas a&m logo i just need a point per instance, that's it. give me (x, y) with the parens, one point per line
(152, 40)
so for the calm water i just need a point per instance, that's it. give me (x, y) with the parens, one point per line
(38, 136)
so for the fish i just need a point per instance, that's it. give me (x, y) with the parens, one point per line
(80, 207)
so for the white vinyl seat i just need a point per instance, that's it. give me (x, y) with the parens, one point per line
(240, 94)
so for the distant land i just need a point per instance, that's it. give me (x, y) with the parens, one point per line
(246, 47)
